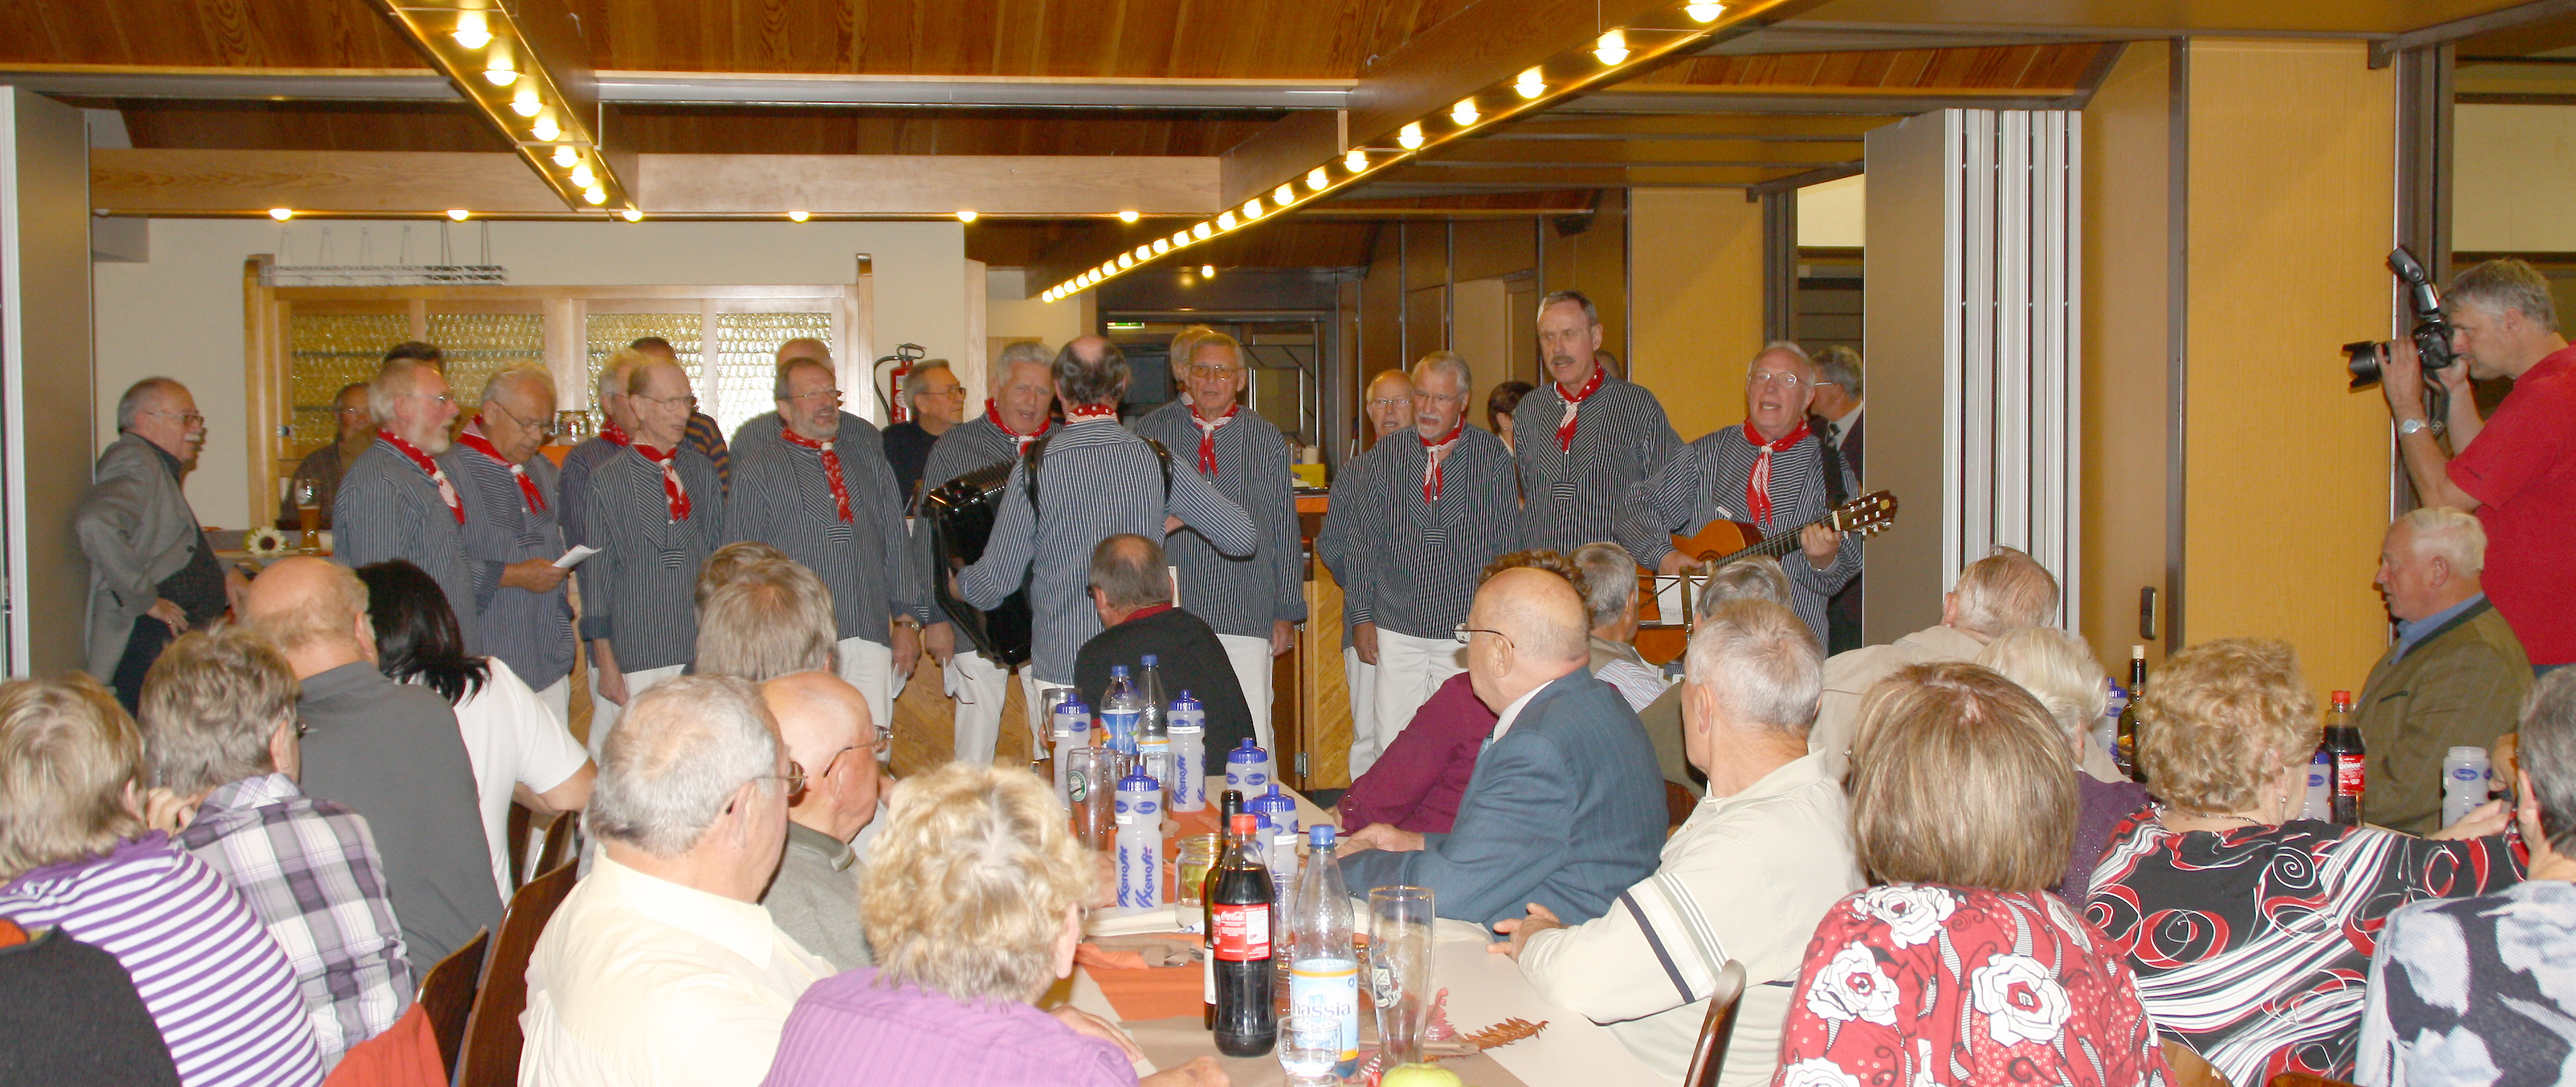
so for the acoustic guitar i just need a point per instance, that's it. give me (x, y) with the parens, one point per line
(1722, 542)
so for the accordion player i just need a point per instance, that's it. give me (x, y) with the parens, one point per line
(960, 513)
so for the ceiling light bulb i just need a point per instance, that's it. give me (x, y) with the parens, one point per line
(1285, 195)
(500, 74)
(1410, 136)
(582, 176)
(1203, 231)
(1224, 221)
(1125, 261)
(1356, 161)
(565, 156)
(472, 30)
(1612, 48)
(525, 104)
(1180, 239)
(1128, 216)
(1252, 209)
(632, 215)
(797, 216)
(1162, 246)
(595, 195)
(1464, 113)
(458, 214)
(966, 215)
(1703, 12)
(545, 130)
(1316, 179)
(281, 214)
(1531, 84)
(1207, 271)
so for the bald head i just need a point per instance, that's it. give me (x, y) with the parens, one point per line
(1090, 371)
(315, 611)
(829, 734)
(1529, 630)
(804, 348)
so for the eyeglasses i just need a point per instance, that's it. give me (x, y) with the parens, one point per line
(834, 395)
(185, 418)
(1465, 633)
(1390, 401)
(684, 403)
(1766, 377)
(1203, 370)
(794, 777)
(435, 398)
(361, 410)
(545, 426)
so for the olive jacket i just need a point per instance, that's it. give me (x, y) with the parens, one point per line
(2460, 686)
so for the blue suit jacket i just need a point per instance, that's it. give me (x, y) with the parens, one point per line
(1566, 810)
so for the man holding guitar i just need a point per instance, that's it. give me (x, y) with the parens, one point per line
(1769, 473)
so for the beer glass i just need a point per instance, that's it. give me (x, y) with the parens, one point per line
(1400, 920)
(1091, 790)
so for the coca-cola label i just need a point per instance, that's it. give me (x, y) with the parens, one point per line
(1242, 932)
(2348, 774)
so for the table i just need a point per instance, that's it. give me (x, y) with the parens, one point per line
(1484, 988)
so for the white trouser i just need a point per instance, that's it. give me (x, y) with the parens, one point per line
(558, 698)
(604, 713)
(1409, 669)
(1361, 678)
(1251, 660)
(869, 667)
(981, 688)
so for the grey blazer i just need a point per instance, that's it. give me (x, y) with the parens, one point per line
(135, 527)
(1566, 810)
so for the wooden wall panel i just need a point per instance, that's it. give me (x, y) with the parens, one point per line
(2286, 473)
(1594, 261)
(1698, 259)
(2127, 352)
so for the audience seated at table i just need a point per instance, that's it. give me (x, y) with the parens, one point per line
(520, 749)
(219, 728)
(1745, 879)
(831, 748)
(1995, 595)
(661, 967)
(1609, 585)
(2056, 668)
(2481, 990)
(1564, 809)
(1131, 588)
(77, 858)
(2197, 894)
(1756, 578)
(975, 910)
(1959, 967)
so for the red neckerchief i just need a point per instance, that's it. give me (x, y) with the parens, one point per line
(472, 438)
(1574, 403)
(673, 491)
(1757, 487)
(1207, 437)
(1080, 412)
(428, 467)
(993, 411)
(1149, 609)
(1433, 453)
(831, 468)
(614, 434)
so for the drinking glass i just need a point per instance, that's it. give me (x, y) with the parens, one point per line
(1190, 866)
(1400, 969)
(1091, 790)
(1309, 1047)
(308, 509)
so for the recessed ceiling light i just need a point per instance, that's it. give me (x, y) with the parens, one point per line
(1128, 216)
(1531, 84)
(281, 214)
(1356, 161)
(1703, 12)
(1612, 48)
(1410, 136)
(595, 195)
(545, 130)
(966, 216)
(798, 216)
(1316, 179)
(1207, 271)
(472, 30)
(1464, 113)
(632, 215)
(458, 214)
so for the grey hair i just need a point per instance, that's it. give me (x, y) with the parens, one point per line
(1757, 578)
(210, 705)
(1098, 380)
(676, 757)
(2548, 752)
(398, 378)
(2059, 670)
(2507, 284)
(778, 383)
(1128, 570)
(1839, 366)
(912, 381)
(616, 369)
(1761, 661)
(998, 375)
(1609, 581)
(765, 619)
(1591, 313)
(1789, 347)
(131, 404)
(1451, 361)
(524, 378)
(2004, 592)
(2450, 535)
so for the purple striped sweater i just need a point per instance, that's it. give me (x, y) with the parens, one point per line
(221, 991)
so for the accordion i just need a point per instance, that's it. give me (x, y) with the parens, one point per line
(960, 513)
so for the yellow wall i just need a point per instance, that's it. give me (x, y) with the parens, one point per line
(1697, 268)
(2286, 481)
(2127, 137)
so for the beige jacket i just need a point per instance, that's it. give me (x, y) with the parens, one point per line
(136, 529)
(1850, 675)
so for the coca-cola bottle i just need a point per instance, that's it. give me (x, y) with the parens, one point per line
(1239, 899)
(2343, 746)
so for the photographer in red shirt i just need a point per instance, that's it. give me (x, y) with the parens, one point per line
(2517, 470)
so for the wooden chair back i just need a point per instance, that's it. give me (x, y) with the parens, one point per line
(492, 1040)
(563, 842)
(1679, 802)
(2189, 1069)
(1708, 1056)
(516, 838)
(447, 996)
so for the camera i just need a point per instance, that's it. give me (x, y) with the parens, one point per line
(2432, 334)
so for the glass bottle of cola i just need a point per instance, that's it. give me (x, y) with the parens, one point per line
(1239, 898)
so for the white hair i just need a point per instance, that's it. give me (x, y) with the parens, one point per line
(2450, 535)
(527, 379)
(1789, 347)
(1609, 581)
(1756, 578)
(675, 759)
(2002, 593)
(131, 404)
(1451, 361)
(1031, 352)
(2058, 669)
(1761, 661)
(398, 378)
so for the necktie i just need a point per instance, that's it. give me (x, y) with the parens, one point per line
(993, 411)
(428, 467)
(472, 438)
(1757, 486)
(831, 468)
(1207, 439)
(673, 491)
(1574, 403)
(1432, 456)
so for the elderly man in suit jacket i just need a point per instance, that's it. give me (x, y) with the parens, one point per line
(1566, 806)
(2456, 676)
(151, 572)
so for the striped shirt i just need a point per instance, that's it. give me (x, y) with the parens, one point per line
(309, 870)
(975, 443)
(530, 631)
(1239, 596)
(640, 591)
(1098, 480)
(389, 509)
(1704, 481)
(786, 502)
(1421, 559)
(707, 437)
(573, 488)
(1338, 549)
(220, 990)
(1575, 495)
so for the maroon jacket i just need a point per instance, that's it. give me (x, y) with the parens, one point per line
(1416, 784)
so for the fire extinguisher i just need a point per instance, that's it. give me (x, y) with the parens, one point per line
(890, 372)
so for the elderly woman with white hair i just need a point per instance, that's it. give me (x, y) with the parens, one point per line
(2058, 669)
(974, 908)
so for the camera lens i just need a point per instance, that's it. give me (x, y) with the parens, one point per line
(2363, 359)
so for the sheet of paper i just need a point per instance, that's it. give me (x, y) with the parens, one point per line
(573, 557)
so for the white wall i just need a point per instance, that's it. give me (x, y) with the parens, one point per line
(1010, 313)
(1832, 215)
(180, 313)
(2513, 175)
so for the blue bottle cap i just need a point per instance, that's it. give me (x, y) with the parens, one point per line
(1247, 745)
(1150, 660)
(1117, 670)
(1319, 836)
(1245, 754)
(1138, 782)
(1271, 802)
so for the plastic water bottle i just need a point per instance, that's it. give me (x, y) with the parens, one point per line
(1277, 812)
(1323, 970)
(1153, 738)
(1247, 768)
(2106, 732)
(2320, 801)
(1187, 722)
(1070, 727)
(2464, 782)
(1121, 711)
(1140, 841)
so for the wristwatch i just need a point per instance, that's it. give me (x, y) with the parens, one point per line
(2412, 426)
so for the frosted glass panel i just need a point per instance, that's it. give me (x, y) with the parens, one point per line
(326, 352)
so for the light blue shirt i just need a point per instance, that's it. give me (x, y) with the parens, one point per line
(2411, 631)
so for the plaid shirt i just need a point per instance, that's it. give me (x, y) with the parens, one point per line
(310, 872)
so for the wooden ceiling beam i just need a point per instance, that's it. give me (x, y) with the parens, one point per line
(1697, 126)
(1643, 153)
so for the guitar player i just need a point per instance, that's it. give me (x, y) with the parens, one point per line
(1769, 472)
